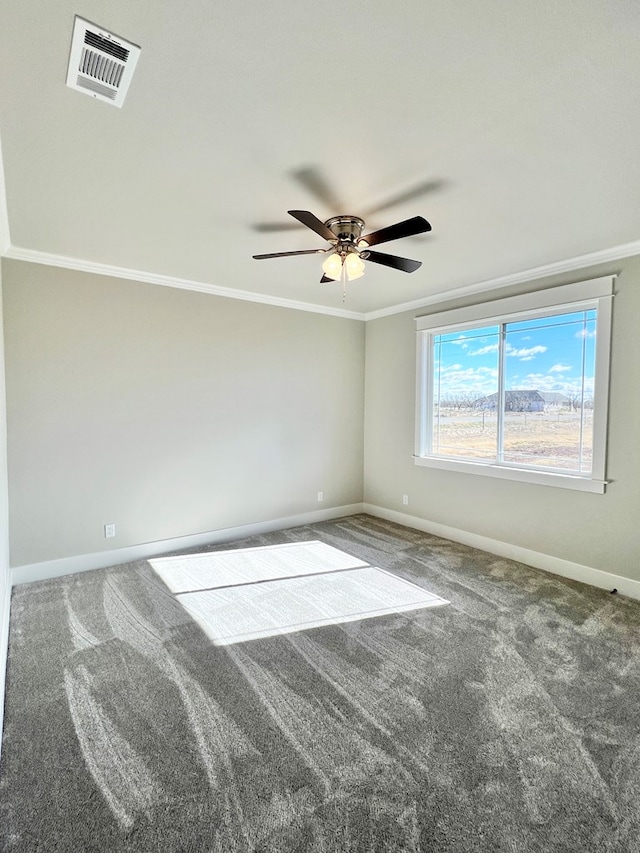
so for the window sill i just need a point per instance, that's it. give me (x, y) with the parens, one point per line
(522, 475)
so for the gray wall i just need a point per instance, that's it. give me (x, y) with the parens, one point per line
(600, 531)
(169, 412)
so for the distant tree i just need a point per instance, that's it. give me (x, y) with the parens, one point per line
(466, 399)
(459, 400)
(575, 400)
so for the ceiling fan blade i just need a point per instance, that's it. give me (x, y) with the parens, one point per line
(289, 254)
(272, 227)
(406, 228)
(393, 261)
(326, 280)
(424, 188)
(312, 179)
(307, 218)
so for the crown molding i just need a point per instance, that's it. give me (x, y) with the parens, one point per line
(615, 253)
(35, 257)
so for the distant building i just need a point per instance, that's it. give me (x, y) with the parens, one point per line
(516, 400)
(554, 399)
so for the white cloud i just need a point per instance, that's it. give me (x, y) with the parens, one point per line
(477, 381)
(551, 382)
(560, 368)
(462, 341)
(485, 350)
(526, 352)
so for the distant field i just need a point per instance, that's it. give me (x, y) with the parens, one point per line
(531, 438)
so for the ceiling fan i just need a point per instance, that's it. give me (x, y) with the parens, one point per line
(349, 249)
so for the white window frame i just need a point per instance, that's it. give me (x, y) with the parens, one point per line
(595, 293)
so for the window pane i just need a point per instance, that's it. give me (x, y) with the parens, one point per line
(465, 391)
(548, 401)
(527, 365)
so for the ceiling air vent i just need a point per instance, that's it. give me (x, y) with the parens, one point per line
(100, 63)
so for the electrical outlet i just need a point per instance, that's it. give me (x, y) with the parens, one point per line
(320, 497)
(405, 499)
(109, 531)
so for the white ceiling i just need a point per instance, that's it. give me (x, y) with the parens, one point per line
(521, 120)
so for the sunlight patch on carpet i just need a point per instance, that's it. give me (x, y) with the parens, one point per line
(249, 593)
(240, 613)
(190, 572)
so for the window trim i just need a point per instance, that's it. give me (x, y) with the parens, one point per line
(598, 293)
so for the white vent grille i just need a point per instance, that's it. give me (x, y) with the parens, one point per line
(100, 63)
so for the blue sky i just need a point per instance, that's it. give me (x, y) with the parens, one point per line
(545, 354)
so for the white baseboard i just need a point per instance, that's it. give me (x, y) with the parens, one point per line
(5, 605)
(546, 562)
(102, 559)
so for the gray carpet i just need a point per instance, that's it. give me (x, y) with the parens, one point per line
(508, 720)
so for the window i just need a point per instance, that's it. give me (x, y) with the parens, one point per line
(518, 388)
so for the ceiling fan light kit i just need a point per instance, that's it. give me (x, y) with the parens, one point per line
(332, 267)
(339, 266)
(354, 267)
(349, 249)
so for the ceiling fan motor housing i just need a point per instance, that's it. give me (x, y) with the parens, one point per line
(348, 231)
